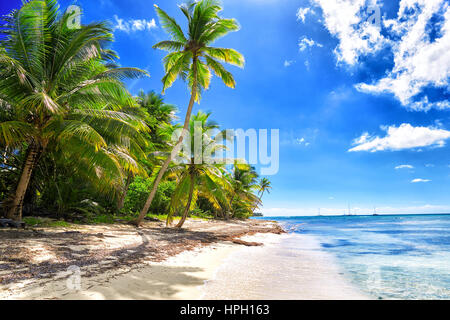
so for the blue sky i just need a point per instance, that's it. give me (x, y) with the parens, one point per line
(362, 104)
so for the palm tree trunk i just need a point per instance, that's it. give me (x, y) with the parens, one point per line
(15, 209)
(256, 206)
(121, 200)
(227, 217)
(188, 205)
(174, 152)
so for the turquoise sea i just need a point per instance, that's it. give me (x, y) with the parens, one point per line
(386, 256)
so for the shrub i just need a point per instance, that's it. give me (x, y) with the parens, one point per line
(139, 190)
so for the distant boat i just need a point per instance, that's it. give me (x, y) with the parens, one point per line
(350, 211)
(375, 211)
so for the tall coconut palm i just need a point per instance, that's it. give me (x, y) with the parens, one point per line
(66, 95)
(196, 179)
(264, 185)
(193, 59)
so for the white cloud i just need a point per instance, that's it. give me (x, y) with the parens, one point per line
(430, 165)
(133, 25)
(403, 137)
(350, 23)
(305, 43)
(302, 12)
(419, 61)
(419, 180)
(404, 166)
(302, 142)
(288, 63)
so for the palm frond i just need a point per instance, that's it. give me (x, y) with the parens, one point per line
(226, 55)
(221, 72)
(219, 29)
(122, 73)
(169, 45)
(179, 68)
(14, 133)
(169, 24)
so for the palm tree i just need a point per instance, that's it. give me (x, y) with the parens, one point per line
(243, 182)
(66, 96)
(158, 116)
(264, 185)
(195, 179)
(193, 59)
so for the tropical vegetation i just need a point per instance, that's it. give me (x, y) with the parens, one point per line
(76, 145)
(193, 59)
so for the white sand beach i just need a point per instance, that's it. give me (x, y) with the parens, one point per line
(222, 270)
(287, 267)
(179, 277)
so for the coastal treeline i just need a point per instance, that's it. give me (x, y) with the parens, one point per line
(76, 145)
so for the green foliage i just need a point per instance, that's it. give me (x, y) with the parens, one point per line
(43, 222)
(138, 192)
(191, 56)
(103, 218)
(200, 214)
(62, 97)
(194, 180)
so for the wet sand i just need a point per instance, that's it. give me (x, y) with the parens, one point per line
(287, 267)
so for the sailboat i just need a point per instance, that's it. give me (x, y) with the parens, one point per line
(375, 211)
(349, 211)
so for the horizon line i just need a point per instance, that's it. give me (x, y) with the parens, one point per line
(365, 215)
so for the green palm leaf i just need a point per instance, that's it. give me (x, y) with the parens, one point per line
(170, 25)
(14, 133)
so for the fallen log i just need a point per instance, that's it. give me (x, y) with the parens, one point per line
(247, 243)
(8, 223)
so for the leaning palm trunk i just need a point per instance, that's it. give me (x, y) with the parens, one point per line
(172, 155)
(227, 214)
(15, 210)
(205, 26)
(188, 205)
(121, 200)
(257, 204)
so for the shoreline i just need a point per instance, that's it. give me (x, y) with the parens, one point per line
(221, 269)
(288, 267)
